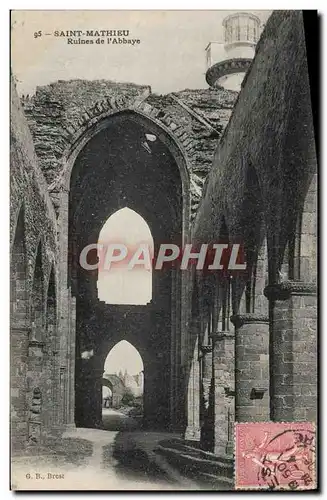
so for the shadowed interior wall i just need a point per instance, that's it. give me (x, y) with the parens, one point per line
(112, 171)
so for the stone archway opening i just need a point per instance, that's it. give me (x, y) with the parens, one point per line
(123, 388)
(107, 400)
(37, 298)
(117, 282)
(36, 344)
(19, 333)
(130, 165)
(50, 417)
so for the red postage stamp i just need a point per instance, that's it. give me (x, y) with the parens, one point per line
(275, 456)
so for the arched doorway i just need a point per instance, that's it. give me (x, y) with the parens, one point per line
(122, 387)
(119, 169)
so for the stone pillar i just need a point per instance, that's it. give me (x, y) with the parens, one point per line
(206, 356)
(179, 417)
(62, 394)
(153, 417)
(185, 313)
(56, 417)
(71, 362)
(90, 396)
(293, 354)
(97, 384)
(66, 334)
(173, 400)
(47, 386)
(192, 431)
(18, 384)
(224, 369)
(34, 390)
(251, 367)
(207, 411)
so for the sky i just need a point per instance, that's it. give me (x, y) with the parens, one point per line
(120, 286)
(169, 57)
(116, 283)
(123, 356)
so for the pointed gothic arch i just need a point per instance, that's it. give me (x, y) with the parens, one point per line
(19, 334)
(18, 274)
(118, 284)
(50, 413)
(37, 303)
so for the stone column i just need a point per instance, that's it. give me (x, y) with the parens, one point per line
(97, 384)
(206, 353)
(153, 415)
(184, 297)
(92, 396)
(293, 312)
(179, 416)
(56, 417)
(173, 400)
(251, 367)
(34, 394)
(192, 431)
(18, 384)
(71, 362)
(224, 369)
(207, 426)
(65, 332)
(62, 394)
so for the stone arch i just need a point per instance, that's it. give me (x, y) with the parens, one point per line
(308, 247)
(224, 286)
(18, 273)
(170, 142)
(117, 388)
(215, 354)
(248, 285)
(299, 261)
(19, 332)
(50, 352)
(250, 317)
(302, 249)
(37, 304)
(118, 285)
(51, 304)
(130, 378)
(208, 299)
(257, 301)
(36, 345)
(176, 137)
(207, 307)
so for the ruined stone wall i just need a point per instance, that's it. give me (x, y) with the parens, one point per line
(258, 131)
(33, 242)
(259, 187)
(28, 188)
(57, 111)
(212, 109)
(263, 142)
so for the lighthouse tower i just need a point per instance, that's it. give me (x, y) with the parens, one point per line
(228, 61)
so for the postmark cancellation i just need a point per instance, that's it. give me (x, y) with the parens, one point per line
(275, 456)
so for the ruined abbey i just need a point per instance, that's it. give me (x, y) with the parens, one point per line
(226, 165)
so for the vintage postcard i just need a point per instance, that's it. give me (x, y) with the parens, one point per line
(163, 239)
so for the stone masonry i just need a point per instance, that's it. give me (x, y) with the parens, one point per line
(226, 167)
